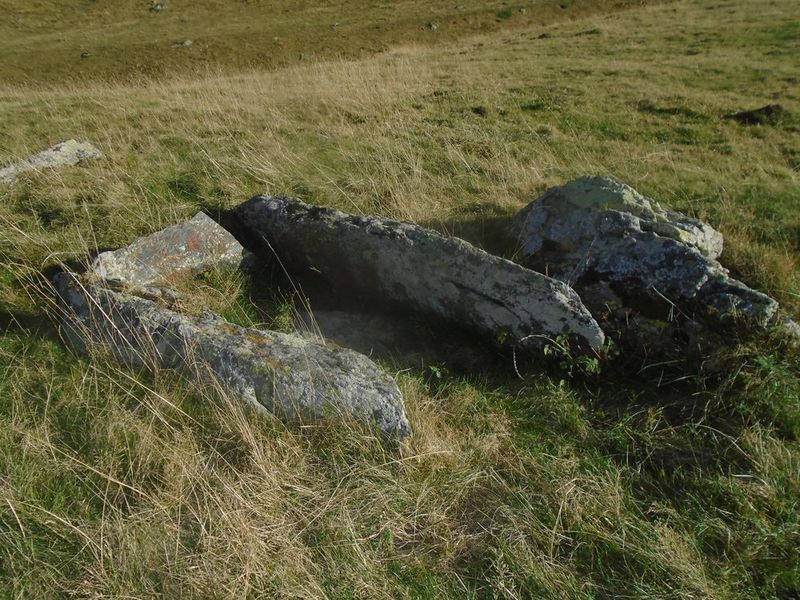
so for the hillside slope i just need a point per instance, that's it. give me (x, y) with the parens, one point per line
(534, 480)
(51, 42)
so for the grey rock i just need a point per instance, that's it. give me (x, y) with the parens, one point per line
(191, 247)
(65, 153)
(406, 265)
(596, 227)
(297, 379)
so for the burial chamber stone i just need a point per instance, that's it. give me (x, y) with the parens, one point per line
(120, 306)
(599, 229)
(296, 379)
(70, 152)
(405, 265)
(193, 246)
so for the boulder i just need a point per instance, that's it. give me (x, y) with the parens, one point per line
(299, 380)
(404, 265)
(187, 248)
(121, 305)
(598, 229)
(65, 153)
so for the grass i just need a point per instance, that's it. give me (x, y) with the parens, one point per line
(51, 42)
(115, 483)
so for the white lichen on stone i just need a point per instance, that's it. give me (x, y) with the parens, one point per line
(597, 227)
(193, 246)
(70, 152)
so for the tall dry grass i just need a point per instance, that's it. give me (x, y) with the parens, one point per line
(115, 483)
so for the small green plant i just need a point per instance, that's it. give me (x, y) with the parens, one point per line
(573, 363)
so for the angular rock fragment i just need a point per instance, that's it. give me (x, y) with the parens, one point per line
(65, 153)
(405, 265)
(598, 229)
(191, 247)
(296, 379)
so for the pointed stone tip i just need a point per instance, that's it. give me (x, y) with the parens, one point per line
(196, 245)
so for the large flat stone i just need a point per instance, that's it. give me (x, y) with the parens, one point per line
(418, 269)
(187, 248)
(299, 380)
(70, 152)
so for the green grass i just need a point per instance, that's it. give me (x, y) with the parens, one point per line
(47, 41)
(115, 483)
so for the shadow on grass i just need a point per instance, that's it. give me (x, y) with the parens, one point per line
(38, 326)
(489, 229)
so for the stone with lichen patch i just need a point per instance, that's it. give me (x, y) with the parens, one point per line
(191, 247)
(596, 228)
(299, 380)
(419, 270)
(70, 152)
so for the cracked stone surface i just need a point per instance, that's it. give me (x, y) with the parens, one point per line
(191, 247)
(596, 228)
(421, 270)
(297, 379)
(124, 305)
(70, 152)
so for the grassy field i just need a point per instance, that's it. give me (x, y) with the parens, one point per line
(644, 483)
(126, 40)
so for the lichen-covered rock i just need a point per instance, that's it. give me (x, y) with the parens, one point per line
(191, 247)
(297, 379)
(598, 228)
(70, 152)
(405, 265)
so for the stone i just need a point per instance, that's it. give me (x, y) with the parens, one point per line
(419, 270)
(188, 248)
(596, 228)
(70, 152)
(771, 114)
(299, 380)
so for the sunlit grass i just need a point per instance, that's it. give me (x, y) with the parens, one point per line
(116, 483)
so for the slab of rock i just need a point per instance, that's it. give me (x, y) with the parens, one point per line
(297, 379)
(191, 247)
(65, 153)
(598, 229)
(405, 265)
